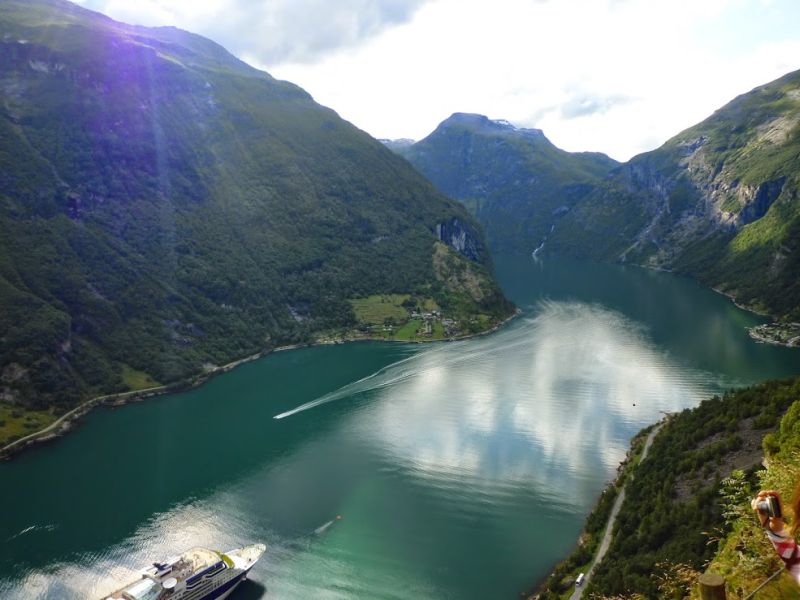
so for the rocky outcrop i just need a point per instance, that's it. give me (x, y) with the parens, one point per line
(461, 237)
(720, 202)
(761, 198)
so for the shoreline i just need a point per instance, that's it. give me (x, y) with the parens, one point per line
(752, 331)
(728, 295)
(732, 298)
(762, 334)
(765, 333)
(602, 539)
(774, 333)
(66, 422)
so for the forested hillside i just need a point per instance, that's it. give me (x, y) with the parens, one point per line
(515, 181)
(165, 207)
(719, 201)
(746, 559)
(680, 502)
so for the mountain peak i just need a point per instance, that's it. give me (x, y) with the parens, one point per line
(483, 124)
(398, 145)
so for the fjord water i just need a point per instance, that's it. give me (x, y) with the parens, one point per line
(460, 470)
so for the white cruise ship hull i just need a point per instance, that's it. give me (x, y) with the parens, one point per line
(198, 574)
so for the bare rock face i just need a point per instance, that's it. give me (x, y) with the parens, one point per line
(461, 237)
(760, 200)
(720, 201)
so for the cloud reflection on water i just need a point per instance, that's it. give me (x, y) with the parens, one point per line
(536, 409)
(564, 390)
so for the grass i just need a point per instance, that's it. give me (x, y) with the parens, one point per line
(16, 422)
(137, 380)
(408, 332)
(731, 205)
(375, 310)
(438, 330)
(405, 331)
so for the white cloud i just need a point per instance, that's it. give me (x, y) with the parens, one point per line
(273, 30)
(645, 69)
(618, 76)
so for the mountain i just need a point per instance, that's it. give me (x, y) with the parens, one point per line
(397, 145)
(164, 207)
(718, 201)
(514, 180)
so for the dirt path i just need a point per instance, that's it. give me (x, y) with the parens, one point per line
(612, 518)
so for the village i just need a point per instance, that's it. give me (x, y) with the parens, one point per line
(402, 317)
(431, 318)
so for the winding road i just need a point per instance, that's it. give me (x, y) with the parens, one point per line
(55, 428)
(612, 518)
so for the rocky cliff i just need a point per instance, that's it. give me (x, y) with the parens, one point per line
(718, 201)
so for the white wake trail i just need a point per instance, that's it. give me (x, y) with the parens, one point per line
(444, 355)
(357, 387)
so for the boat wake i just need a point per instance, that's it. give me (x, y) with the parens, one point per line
(376, 380)
(443, 355)
(32, 529)
(323, 528)
(519, 336)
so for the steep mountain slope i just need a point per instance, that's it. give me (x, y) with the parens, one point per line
(515, 181)
(164, 206)
(744, 557)
(688, 503)
(719, 201)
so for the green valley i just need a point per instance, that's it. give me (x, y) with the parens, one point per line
(245, 340)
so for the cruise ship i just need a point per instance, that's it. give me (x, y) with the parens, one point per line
(199, 574)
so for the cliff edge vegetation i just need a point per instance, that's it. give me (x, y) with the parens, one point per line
(688, 509)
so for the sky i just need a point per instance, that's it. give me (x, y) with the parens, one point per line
(614, 76)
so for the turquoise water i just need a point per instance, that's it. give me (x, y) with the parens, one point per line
(460, 470)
